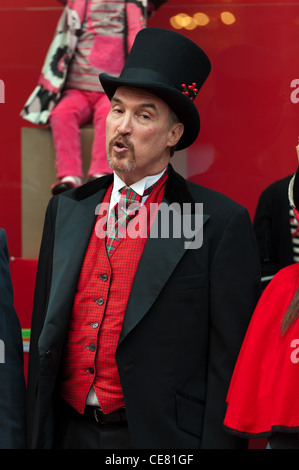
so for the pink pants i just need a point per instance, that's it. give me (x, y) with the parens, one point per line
(75, 108)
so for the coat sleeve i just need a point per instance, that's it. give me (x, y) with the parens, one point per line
(271, 225)
(135, 21)
(12, 379)
(234, 292)
(137, 14)
(262, 226)
(41, 295)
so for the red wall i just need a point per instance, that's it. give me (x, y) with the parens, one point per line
(25, 31)
(249, 123)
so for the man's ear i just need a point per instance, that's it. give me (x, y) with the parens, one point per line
(176, 133)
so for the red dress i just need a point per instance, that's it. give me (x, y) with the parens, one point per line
(263, 393)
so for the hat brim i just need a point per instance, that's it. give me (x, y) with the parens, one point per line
(182, 106)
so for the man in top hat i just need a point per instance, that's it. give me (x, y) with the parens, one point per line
(138, 321)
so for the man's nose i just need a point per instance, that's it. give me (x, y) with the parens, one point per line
(125, 125)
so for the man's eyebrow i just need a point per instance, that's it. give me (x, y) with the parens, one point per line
(117, 100)
(141, 105)
(149, 105)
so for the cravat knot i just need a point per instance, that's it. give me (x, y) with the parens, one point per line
(129, 200)
(122, 213)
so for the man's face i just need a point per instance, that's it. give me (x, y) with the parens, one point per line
(139, 134)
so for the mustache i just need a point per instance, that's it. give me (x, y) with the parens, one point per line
(122, 142)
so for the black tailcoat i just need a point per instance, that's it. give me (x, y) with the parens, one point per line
(183, 327)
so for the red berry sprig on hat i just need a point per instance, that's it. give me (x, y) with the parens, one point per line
(189, 90)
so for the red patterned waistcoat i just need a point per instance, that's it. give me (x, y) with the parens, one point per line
(99, 306)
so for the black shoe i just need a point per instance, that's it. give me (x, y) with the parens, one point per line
(59, 187)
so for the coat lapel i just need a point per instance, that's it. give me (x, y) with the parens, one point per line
(74, 223)
(161, 254)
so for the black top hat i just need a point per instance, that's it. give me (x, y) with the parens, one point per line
(171, 67)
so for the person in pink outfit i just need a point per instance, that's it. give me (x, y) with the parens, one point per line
(92, 37)
(76, 108)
